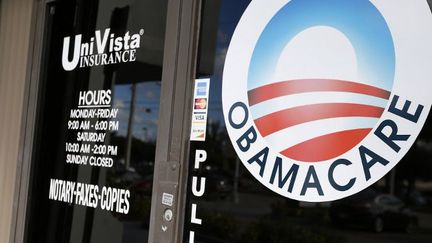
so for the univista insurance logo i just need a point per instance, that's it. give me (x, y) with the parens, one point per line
(322, 98)
(104, 48)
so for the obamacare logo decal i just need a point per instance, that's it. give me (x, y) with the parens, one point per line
(323, 97)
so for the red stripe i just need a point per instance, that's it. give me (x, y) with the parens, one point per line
(279, 89)
(290, 117)
(326, 147)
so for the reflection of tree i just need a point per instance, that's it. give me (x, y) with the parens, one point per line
(130, 125)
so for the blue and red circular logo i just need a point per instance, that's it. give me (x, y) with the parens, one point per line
(346, 104)
(323, 98)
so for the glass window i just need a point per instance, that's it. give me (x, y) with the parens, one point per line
(236, 207)
(100, 86)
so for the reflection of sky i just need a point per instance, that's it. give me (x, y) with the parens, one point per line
(146, 109)
(231, 13)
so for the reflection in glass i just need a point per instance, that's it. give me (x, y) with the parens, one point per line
(135, 88)
(237, 208)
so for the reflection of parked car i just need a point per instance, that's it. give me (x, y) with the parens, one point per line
(414, 198)
(374, 211)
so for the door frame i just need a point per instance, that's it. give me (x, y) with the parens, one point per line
(172, 148)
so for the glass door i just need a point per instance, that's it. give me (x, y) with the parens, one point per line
(227, 200)
(97, 123)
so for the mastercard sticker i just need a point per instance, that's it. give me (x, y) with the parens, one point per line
(200, 104)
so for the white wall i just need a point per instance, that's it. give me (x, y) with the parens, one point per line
(15, 22)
